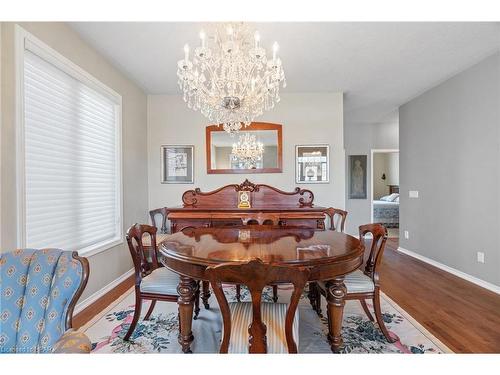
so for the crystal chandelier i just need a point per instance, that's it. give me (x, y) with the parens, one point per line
(248, 150)
(229, 78)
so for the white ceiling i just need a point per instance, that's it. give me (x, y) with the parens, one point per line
(379, 66)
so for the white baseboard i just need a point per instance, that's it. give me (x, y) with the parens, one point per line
(484, 284)
(95, 296)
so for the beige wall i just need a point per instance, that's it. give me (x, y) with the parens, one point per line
(393, 168)
(108, 265)
(385, 163)
(379, 167)
(306, 118)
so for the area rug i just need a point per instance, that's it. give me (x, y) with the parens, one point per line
(159, 334)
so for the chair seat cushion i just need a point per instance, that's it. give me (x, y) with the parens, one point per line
(273, 316)
(160, 281)
(355, 282)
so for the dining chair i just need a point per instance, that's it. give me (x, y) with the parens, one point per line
(258, 327)
(260, 219)
(364, 284)
(152, 282)
(161, 231)
(161, 224)
(161, 235)
(337, 223)
(337, 218)
(162, 212)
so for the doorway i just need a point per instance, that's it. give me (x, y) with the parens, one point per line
(385, 189)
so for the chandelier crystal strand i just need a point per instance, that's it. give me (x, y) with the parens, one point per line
(248, 150)
(229, 78)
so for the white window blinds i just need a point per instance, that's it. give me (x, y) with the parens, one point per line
(71, 160)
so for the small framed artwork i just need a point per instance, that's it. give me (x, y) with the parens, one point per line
(312, 164)
(177, 164)
(357, 176)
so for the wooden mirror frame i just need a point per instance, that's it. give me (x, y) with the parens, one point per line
(252, 126)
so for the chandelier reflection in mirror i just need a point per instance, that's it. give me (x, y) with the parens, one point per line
(248, 151)
(229, 77)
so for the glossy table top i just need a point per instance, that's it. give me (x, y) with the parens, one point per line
(273, 244)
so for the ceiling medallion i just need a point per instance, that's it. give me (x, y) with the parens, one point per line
(229, 78)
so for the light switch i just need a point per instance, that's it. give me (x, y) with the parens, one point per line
(413, 194)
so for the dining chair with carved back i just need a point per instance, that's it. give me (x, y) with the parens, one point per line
(158, 220)
(259, 219)
(337, 223)
(161, 231)
(161, 235)
(364, 284)
(337, 219)
(256, 326)
(161, 213)
(152, 282)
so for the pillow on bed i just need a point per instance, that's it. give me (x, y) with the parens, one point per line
(390, 198)
(396, 200)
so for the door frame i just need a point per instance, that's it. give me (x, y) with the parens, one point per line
(372, 152)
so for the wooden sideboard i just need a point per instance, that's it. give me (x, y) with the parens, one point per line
(269, 205)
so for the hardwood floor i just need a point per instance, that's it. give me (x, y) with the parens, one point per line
(464, 316)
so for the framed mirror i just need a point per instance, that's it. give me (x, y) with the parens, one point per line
(258, 148)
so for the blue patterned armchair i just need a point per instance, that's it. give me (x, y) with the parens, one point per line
(39, 290)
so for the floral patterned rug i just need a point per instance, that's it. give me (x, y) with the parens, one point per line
(159, 334)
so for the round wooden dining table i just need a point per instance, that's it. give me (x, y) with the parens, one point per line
(328, 254)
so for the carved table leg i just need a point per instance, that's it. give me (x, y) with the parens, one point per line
(205, 294)
(335, 292)
(257, 340)
(187, 289)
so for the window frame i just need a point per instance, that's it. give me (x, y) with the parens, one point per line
(22, 39)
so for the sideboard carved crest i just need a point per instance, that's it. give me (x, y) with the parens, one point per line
(262, 195)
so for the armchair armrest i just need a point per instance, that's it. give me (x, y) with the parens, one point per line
(73, 342)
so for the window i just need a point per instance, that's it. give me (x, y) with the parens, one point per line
(70, 153)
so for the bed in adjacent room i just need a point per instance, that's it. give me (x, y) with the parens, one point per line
(386, 211)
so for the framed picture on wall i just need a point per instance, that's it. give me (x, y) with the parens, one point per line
(312, 164)
(357, 176)
(177, 164)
